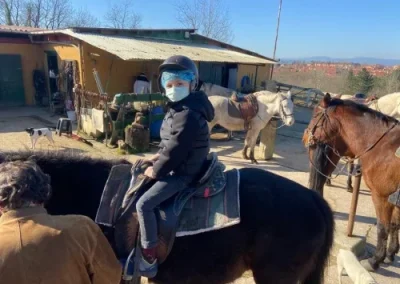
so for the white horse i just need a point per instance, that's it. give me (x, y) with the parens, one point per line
(216, 90)
(269, 105)
(388, 104)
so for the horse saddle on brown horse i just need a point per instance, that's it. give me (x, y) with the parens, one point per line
(211, 203)
(244, 107)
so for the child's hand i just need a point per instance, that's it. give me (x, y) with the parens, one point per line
(149, 172)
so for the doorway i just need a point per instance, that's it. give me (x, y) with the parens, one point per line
(52, 64)
(11, 80)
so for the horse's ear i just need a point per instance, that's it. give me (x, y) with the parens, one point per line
(289, 95)
(326, 100)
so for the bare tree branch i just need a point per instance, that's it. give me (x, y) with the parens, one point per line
(83, 18)
(12, 12)
(210, 17)
(121, 15)
(50, 14)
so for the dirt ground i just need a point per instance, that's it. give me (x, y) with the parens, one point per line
(290, 160)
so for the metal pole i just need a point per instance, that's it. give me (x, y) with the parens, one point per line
(276, 36)
(277, 27)
(354, 201)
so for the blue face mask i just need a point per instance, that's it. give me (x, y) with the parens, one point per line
(176, 94)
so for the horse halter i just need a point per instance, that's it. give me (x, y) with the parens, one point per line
(281, 108)
(311, 140)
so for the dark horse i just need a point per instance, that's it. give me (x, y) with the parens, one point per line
(285, 234)
(341, 128)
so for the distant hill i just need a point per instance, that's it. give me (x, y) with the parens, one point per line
(359, 60)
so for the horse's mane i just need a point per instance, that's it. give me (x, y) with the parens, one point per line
(364, 109)
(54, 156)
(269, 96)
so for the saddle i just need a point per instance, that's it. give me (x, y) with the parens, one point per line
(211, 203)
(244, 107)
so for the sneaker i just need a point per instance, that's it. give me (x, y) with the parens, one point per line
(147, 269)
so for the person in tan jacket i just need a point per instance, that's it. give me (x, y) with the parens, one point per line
(36, 247)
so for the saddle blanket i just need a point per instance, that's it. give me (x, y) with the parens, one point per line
(234, 110)
(219, 211)
(199, 210)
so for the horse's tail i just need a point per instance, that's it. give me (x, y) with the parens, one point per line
(317, 274)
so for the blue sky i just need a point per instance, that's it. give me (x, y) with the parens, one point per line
(336, 28)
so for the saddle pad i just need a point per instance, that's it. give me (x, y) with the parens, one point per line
(216, 212)
(113, 194)
(234, 110)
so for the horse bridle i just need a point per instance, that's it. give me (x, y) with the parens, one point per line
(311, 141)
(281, 108)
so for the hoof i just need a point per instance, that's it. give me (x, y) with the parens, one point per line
(389, 259)
(350, 189)
(368, 265)
(254, 161)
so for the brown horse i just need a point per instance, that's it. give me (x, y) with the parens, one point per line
(342, 128)
(350, 164)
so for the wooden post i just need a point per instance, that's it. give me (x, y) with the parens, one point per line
(267, 140)
(354, 201)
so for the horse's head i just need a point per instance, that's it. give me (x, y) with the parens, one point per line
(322, 140)
(286, 107)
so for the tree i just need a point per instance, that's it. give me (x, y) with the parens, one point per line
(57, 13)
(211, 18)
(83, 18)
(49, 14)
(365, 81)
(121, 15)
(351, 83)
(11, 12)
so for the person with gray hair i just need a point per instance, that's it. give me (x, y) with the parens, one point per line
(36, 247)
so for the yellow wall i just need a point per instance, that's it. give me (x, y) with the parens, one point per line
(121, 77)
(263, 73)
(30, 60)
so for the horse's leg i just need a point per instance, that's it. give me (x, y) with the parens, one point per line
(350, 168)
(244, 151)
(394, 245)
(384, 215)
(251, 136)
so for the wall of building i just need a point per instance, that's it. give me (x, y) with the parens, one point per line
(263, 73)
(121, 77)
(30, 60)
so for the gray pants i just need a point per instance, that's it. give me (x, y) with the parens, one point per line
(159, 192)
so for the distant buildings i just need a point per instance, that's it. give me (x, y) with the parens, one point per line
(333, 69)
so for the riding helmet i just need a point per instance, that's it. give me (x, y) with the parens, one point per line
(178, 62)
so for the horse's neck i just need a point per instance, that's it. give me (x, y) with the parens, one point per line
(272, 102)
(215, 90)
(359, 133)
